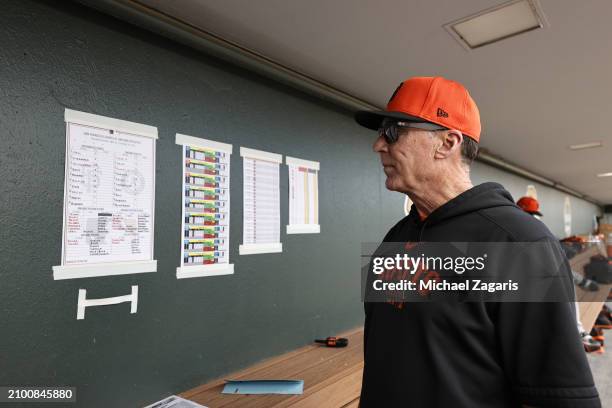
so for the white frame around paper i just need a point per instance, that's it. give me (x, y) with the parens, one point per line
(303, 228)
(198, 271)
(267, 248)
(76, 271)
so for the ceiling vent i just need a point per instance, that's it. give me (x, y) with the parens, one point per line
(497, 23)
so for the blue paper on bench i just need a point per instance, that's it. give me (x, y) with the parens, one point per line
(263, 387)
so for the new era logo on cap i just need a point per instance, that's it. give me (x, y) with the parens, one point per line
(441, 113)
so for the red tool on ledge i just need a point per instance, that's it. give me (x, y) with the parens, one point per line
(333, 342)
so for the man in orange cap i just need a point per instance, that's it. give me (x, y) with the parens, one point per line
(469, 354)
(530, 205)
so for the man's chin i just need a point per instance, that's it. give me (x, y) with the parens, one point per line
(391, 186)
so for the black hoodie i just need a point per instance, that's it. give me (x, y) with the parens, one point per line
(474, 354)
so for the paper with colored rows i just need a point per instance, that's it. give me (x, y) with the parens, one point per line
(206, 212)
(303, 196)
(261, 223)
(109, 196)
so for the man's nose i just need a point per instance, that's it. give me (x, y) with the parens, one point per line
(380, 145)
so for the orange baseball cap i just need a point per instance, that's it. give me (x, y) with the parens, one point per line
(429, 99)
(529, 205)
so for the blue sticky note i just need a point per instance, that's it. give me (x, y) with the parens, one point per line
(264, 387)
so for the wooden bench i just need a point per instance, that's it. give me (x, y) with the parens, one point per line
(332, 378)
(590, 303)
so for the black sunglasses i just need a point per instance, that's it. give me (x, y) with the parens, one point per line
(390, 129)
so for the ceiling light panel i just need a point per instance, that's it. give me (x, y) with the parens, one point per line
(582, 146)
(498, 23)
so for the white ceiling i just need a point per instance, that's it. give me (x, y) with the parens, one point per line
(537, 93)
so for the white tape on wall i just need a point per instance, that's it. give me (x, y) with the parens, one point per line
(84, 303)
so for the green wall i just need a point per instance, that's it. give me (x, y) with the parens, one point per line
(58, 55)
(63, 55)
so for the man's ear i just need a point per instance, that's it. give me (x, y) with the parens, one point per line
(450, 142)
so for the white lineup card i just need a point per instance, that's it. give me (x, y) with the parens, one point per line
(206, 208)
(175, 402)
(261, 202)
(303, 196)
(109, 197)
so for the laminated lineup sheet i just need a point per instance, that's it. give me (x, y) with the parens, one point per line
(303, 196)
(206, 208)
(109, 197)
(261, 209)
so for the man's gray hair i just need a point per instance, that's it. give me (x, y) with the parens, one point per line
(469, 150)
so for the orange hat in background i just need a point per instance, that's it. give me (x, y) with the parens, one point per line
(429, 99)
(529, 205)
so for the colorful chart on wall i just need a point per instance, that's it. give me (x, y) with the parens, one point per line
(261, 202)
(109, 197)
(205, 196)
(303, 196)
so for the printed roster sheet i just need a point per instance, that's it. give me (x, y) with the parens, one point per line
(303, 196)
(174, 401)
(206, 208)
(261, 202)
(109, 197)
